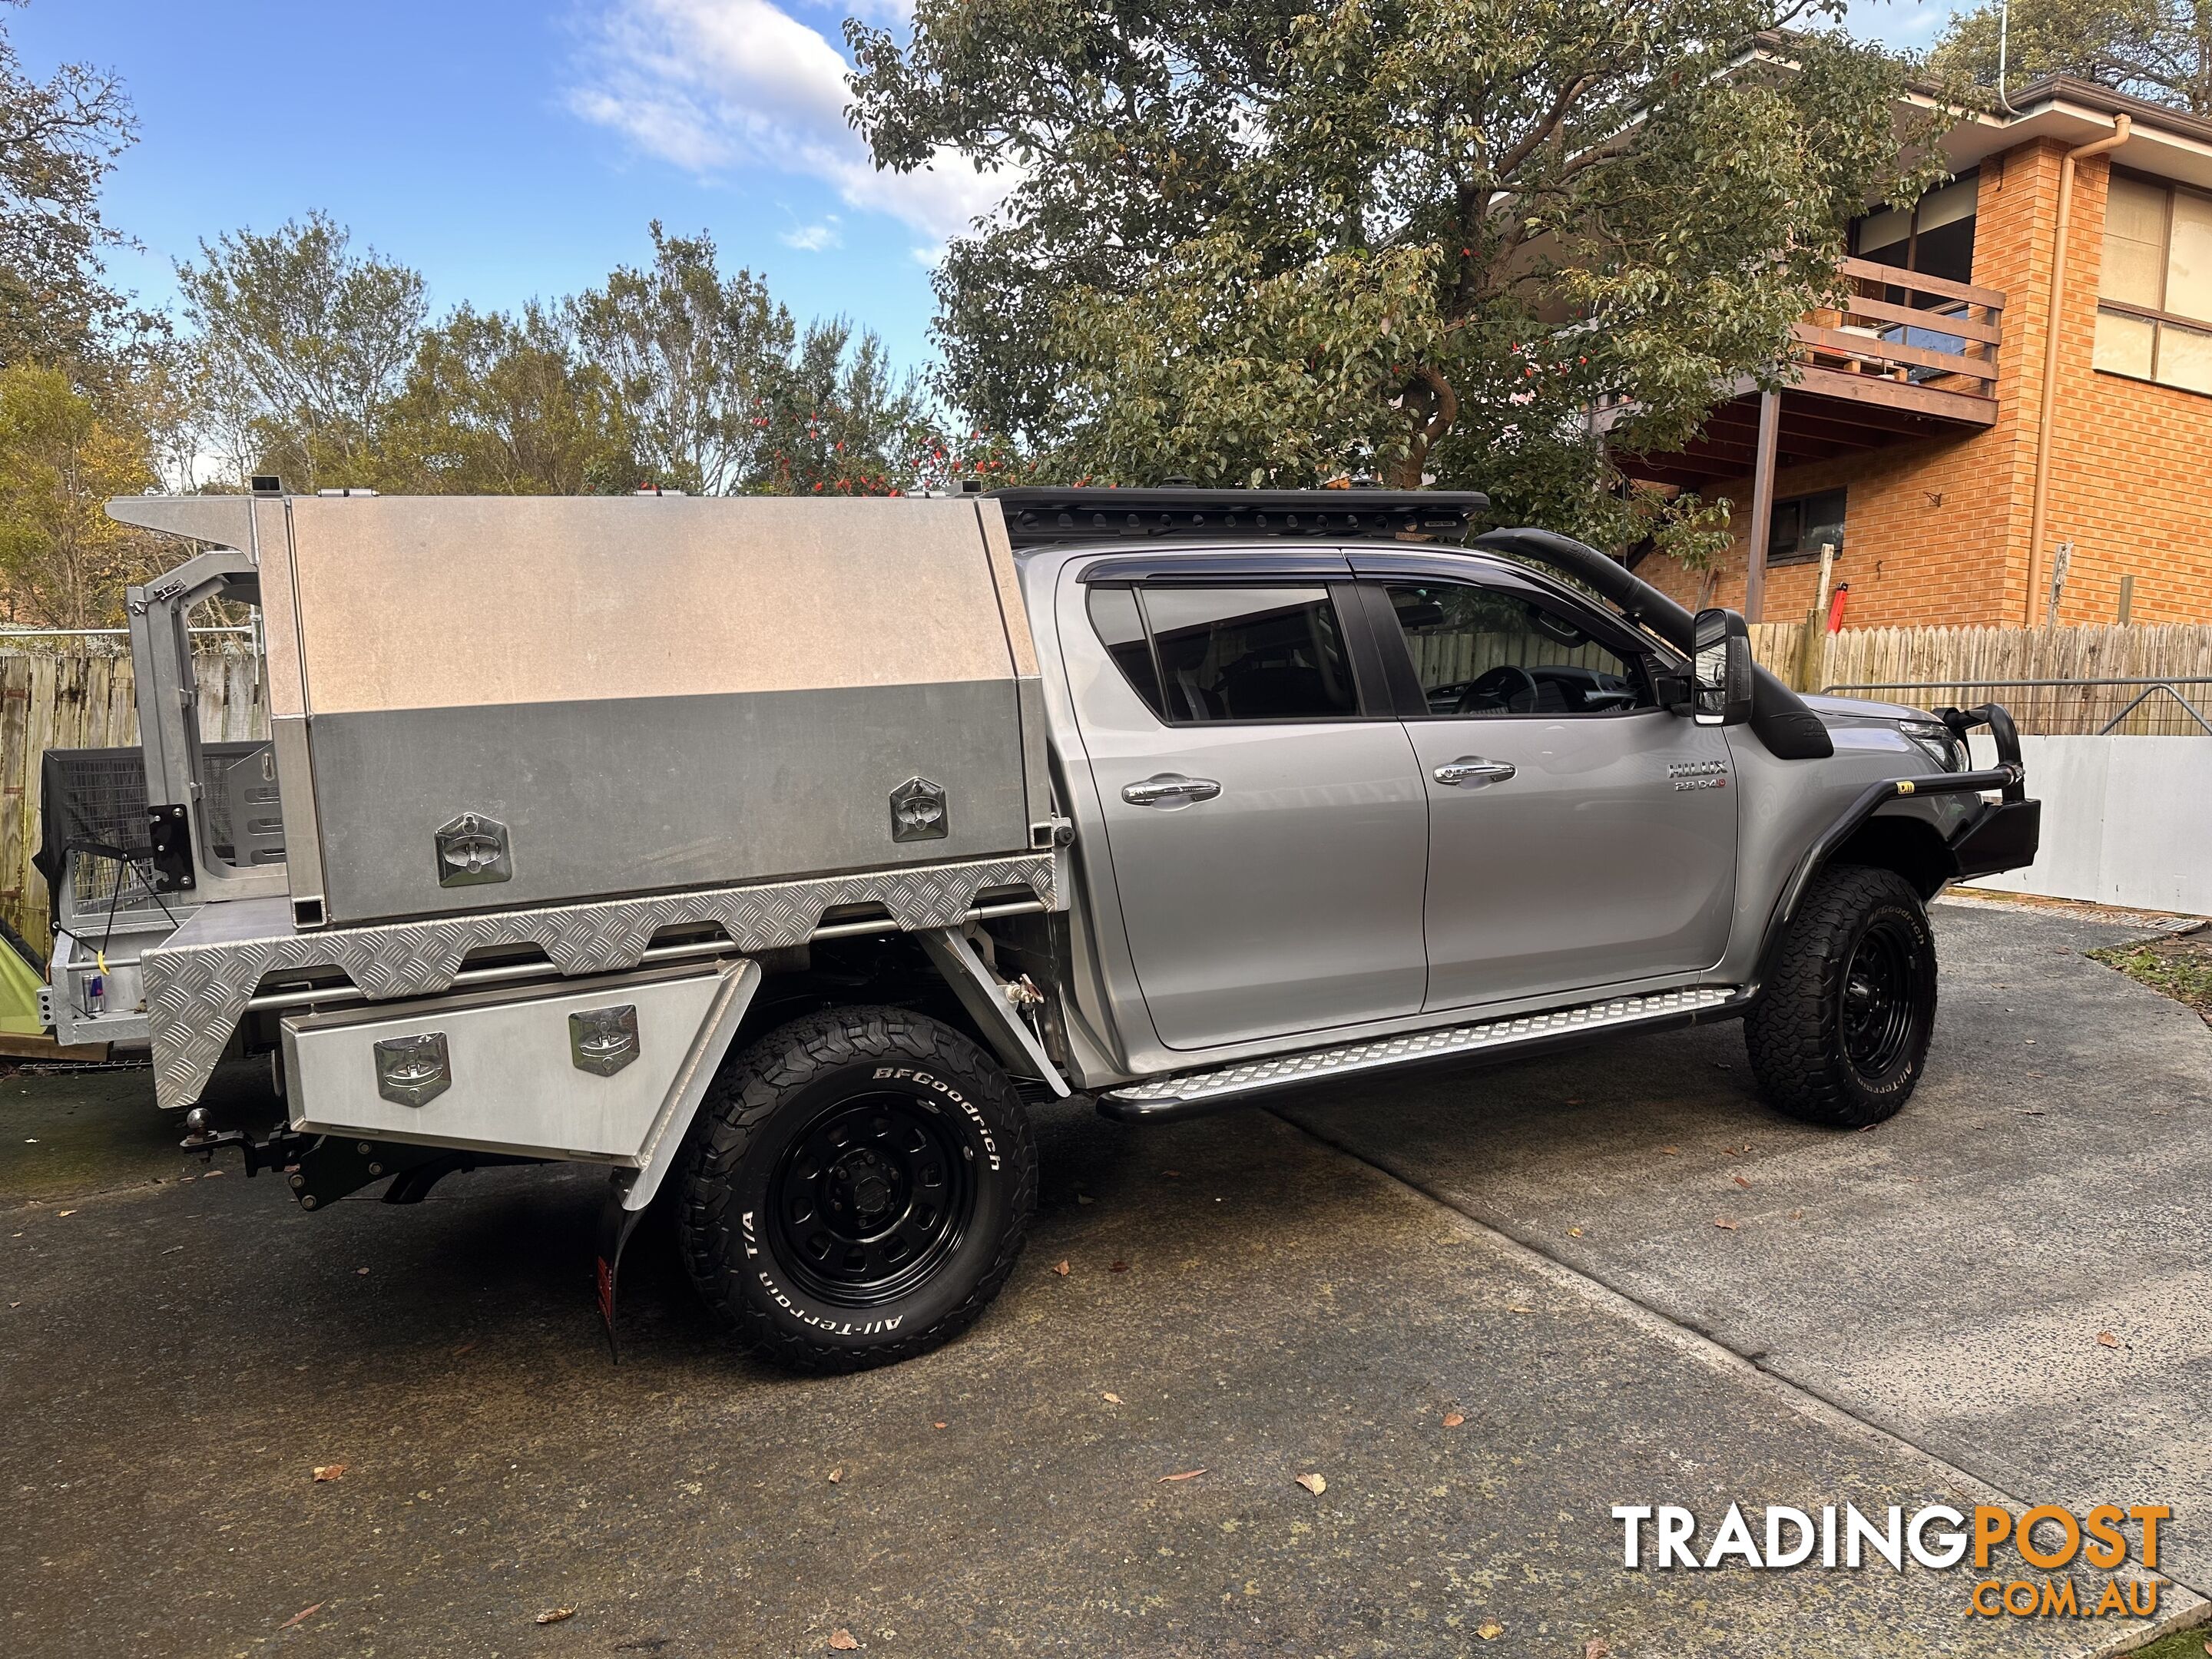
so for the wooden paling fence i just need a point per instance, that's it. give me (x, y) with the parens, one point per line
(2056, 682)
(84, 699)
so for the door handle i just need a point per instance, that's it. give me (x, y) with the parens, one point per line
(1169, 789)
(1473, 768)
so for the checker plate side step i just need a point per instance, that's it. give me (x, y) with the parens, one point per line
(1184, 1094)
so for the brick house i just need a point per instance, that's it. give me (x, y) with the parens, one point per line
(1915, 437)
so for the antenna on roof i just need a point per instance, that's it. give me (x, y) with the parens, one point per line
(2004, 42)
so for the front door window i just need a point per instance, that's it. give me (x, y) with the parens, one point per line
(1482, 652)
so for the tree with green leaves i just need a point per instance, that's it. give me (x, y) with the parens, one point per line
(304, 347)
(839, 423)
(691, 357)
(58, 141)
(1473, 242)
(64, 561)
(2157, 49)
(499, 406)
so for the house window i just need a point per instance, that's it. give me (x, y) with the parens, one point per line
(2154, 299)
(1802, 524)
(1935, 237)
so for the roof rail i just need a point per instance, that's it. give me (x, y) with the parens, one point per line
(1038, 516)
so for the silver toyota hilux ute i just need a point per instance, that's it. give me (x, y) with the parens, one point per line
(780, 855)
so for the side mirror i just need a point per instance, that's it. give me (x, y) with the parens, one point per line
(1721, 669)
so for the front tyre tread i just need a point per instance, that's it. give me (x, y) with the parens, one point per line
(1795, 1030)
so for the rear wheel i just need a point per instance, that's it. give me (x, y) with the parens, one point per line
(1839, 1034)
(860, 1190)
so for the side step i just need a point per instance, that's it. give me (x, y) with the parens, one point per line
(1184, 1094)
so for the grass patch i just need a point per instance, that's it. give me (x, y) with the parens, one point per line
(2178, 968)
(2190, 1643)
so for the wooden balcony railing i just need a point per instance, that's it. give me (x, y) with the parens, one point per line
(1947, 343)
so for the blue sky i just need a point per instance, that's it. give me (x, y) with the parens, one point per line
(514, 149)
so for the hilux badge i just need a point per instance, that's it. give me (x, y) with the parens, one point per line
(473, 850)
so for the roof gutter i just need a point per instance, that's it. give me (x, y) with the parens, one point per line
(2047, 419)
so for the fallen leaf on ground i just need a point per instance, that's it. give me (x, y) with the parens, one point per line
(1171, 1174)
(330, 1471)
(1119, 1267)
(937, 1426)
(1670, 1152)
(1723, 1224)
(1518, 1308)
(1596, 1649)
(1187, 1475)
(64, 1211)
(1062, 1268)
(302, 1614)
(1453, 1420)
(1796, 1215)
(2107, 1340)
(1491, 1633)
(835, 1476)
(1111, 1399)
(843, 1641)
(555, 1615)
(1313, 1483)
(1740, 1181)
(462, 1349)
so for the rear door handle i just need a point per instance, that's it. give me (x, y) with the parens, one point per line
(1473, 769)
(1169, 789)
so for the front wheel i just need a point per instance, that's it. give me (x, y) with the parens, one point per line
(860, 1190)
(1839, 1034)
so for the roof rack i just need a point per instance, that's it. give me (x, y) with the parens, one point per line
(1038, 516)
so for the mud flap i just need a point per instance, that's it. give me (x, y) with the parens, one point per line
(617, 1221)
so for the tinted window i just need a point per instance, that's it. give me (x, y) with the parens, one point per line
(1802, 524)
(1481, 651)
(1121, 631)
(1250, 654)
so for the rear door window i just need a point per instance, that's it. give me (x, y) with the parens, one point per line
(1230, 653)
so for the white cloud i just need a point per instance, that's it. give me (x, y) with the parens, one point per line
(713, 85)
(812, 239)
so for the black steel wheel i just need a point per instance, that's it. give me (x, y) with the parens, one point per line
(871, 1197)
(1880, 1003)
(858, 1188)
(1839, 1034)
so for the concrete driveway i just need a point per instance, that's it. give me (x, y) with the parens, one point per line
(1903, 1317)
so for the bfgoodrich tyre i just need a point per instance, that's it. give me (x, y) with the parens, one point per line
(1839, 1034)
(860, 1190)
